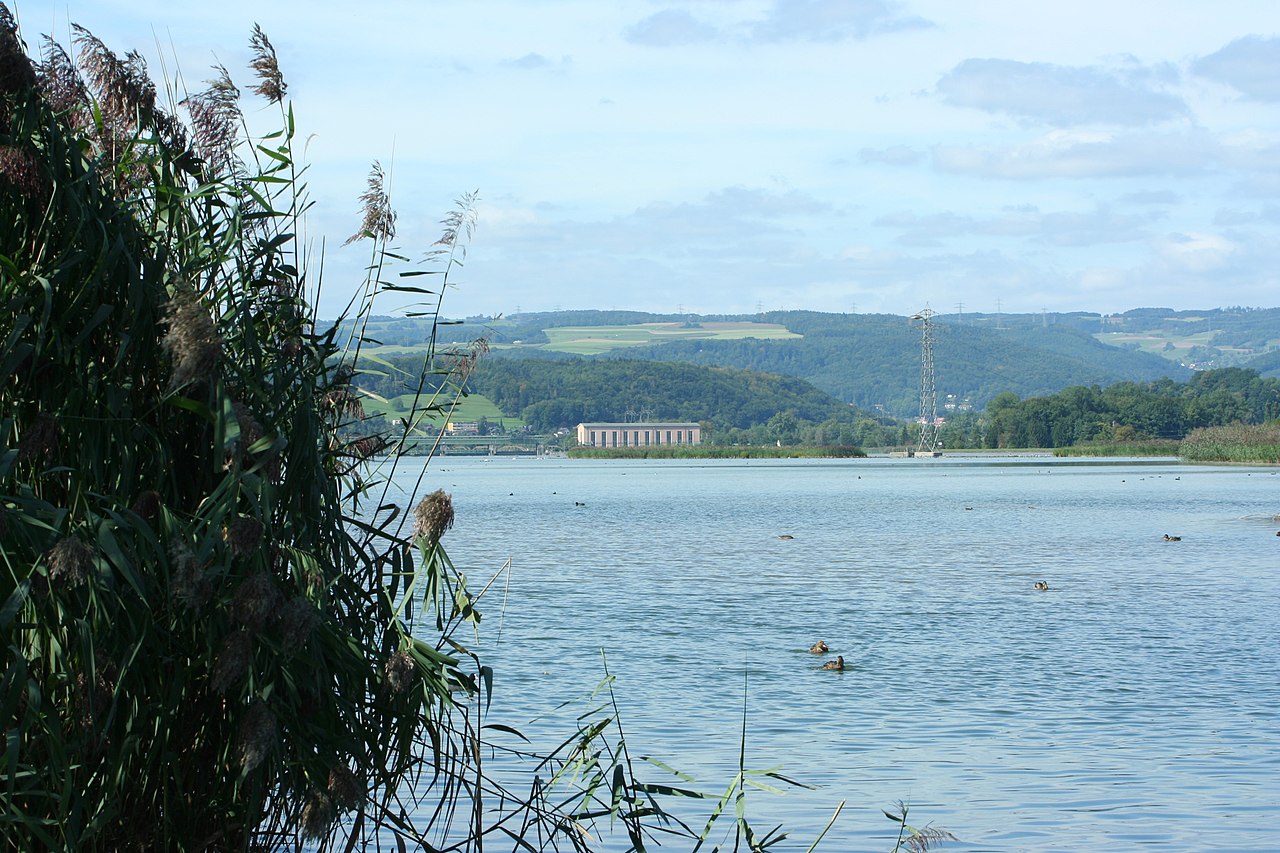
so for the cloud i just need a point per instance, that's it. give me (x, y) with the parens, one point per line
(832, 20)
(1150, 197)
(1056, 94)
(894, 155)
(530, 61)
(1066, 228)
(669, 28)
(1073, 154)
(1268, 214)
(1250, 65)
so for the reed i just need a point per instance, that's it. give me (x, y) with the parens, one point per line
(1154, 447)
(1250, 443)
(207, 608)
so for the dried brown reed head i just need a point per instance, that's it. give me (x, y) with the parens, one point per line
(265, 65)
(215, 121)
(398, 671)
(255, 600)
(63, 87)
(192, 340)
(232, 661)
(295, 622)
(460, 223)
(20, 171)
(379, 220)
(124, 90)
(147, 505)
(40, 439)
(317, 816)
(70, 562)
(344, 788)
(189, 586)
(243, 535)
(256, 737)
(16, 74)
(250, 429)
(433, 516)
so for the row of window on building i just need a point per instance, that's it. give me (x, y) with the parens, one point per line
(638, 435)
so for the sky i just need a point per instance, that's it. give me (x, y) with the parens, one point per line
(732, 156)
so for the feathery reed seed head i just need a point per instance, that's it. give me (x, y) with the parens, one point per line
(70, 561)
(21, 171)
(63, 87)
(256, 737)
(41, 439)
(16, 73)
(399, 670)
(295, 621)
(255, 600)
(188, 585)
(317, 816)
(192, 340)
(266, 66)
(345, 788)
(232, 662)
(244, 534)
(124, 90)
(147, 505)
(215, 119)
(433, 516)
(250, 429)
(379, 220)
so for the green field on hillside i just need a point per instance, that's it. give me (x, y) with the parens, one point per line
(590, 340)
(470, 408)
(1156, 342)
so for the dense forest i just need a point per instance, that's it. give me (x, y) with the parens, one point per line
(1125, 411)
(873, 361)
(741, 406)
(869, 360)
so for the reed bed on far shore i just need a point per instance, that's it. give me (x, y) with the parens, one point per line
(1257, 443)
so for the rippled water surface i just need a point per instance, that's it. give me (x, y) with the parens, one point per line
(1132, 706)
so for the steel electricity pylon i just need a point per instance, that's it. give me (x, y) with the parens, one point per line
(928, 386)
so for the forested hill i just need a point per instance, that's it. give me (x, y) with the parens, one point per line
(550, 394)
(871, 360)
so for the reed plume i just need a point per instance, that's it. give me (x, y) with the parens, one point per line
(266, 66)
(378, 221)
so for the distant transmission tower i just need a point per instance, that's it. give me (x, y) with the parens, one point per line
(928, 387)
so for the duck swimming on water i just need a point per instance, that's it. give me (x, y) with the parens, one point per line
(819, 648)
(1169, 538)
(837, 664)
(1042, 585)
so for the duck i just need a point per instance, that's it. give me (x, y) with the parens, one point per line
(785, 536)
(819, 648)
(1169, 538)
(1042, 585)
(837, 664)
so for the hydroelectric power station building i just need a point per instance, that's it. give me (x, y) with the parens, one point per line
(638, 434)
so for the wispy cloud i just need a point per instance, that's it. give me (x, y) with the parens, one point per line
(783, 21)
(1250, 65)
(670, 28)
(894, 155)
(1075, 154)
(1056, 94)
(833, 20)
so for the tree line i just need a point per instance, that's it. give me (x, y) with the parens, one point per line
(1124, 411)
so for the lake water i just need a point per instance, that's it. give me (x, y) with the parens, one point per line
(1132, 706)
